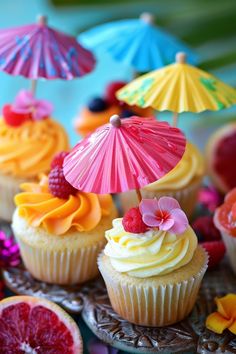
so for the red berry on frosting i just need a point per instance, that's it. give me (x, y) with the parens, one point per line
(132, 221)
(215, 250)
(112, 88)
(12, 118)
(58, 185)
(59, 159)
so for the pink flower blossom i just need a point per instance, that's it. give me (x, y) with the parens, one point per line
(25, 103)
(164, 214)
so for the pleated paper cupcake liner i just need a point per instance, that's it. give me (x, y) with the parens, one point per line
(154, 305)
(230, 244)
(8, 189)
(187, 197)
(61, 267)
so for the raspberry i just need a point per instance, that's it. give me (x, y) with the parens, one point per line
(58, 185)
(110, 94)
(59, 159)
(215, 250)
(132, 221)
(12, 118)
(205, 229)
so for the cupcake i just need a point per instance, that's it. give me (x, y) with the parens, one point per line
(28, 141)
(152, 264)
(60, 230)
(225, 221)
(181, 183)
(99, 110)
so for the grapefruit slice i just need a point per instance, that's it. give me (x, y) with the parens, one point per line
(37, 326)
(231, 196)
(221, 157)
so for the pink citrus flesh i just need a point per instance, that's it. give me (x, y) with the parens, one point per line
(231, 196)
(226, 218)
(37, 326)
(221, 156)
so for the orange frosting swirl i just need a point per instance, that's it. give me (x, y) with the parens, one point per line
(82, 211)
(89, 121)
(27, 150)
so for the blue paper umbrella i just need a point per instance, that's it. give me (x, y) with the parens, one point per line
(137, 43)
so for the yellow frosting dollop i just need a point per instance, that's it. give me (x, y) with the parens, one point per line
(190, 167)
(27, 150)
(82, 211)
(148, 254)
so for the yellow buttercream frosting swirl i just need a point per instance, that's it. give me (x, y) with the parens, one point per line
(148, 254)
(27, 150)
(82, 211)
(189, 168)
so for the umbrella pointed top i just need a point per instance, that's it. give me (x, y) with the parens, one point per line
(147, 17)
(180, 58)
(115, 121)
(42, 20)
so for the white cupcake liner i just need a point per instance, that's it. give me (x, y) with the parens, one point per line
(9, 187)
(152, 305)
(187, 197)
(61, 267)
(230, 244)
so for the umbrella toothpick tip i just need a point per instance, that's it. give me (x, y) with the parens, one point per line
(147, 17)
(115, 121)
(42, 20)
(180, 57)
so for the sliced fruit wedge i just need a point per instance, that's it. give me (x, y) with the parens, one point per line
(37, 326)
(221, 154)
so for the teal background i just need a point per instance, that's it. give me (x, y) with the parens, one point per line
(208, 25)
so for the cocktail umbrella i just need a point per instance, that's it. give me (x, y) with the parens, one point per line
(178, 88)
(136, 42)
(124, 155)
(38, 51)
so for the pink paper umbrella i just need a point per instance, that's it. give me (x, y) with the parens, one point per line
(124, 155)
(38, 51)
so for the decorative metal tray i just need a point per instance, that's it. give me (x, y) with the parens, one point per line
(92, 302)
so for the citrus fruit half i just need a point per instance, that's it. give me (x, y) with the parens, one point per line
(37, 326)
(221, 157)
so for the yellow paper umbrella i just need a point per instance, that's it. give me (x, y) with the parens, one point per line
(178, 87)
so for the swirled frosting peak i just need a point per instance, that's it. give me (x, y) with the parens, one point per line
(40, 208)
(27, 150)
(154, 252)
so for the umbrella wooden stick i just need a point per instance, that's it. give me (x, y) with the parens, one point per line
(33, 86)
(175, 119)
(42, 21)
(139, 195)
(180, 58)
